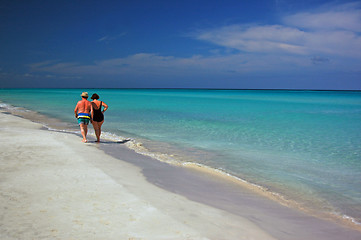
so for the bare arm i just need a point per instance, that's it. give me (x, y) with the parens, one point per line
(105, 107)
(76, 111)
(92, 112)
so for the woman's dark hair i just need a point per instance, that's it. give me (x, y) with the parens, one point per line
(95, 96)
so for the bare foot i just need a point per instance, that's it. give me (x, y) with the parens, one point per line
(84, 141)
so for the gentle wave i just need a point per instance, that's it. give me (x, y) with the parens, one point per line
(9, 107)
(139, 148)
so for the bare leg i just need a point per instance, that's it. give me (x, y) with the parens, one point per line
(97, 128)
(100, 129)
(84, 131)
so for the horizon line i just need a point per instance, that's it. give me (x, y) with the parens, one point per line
(184, 88)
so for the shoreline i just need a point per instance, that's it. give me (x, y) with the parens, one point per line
(257, 189)
(192, 166)
(223, 192)
(54, 186)
(209, 194)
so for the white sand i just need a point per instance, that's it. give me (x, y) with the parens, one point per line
(52, 186)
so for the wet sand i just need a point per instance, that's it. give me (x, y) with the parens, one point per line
(55, 187)
(280, 221)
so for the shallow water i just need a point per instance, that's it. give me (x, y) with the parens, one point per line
(303, 145)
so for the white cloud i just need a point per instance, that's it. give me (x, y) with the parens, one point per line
(109, 38)
(103, 39)
(345, 17)
(334, 32)
(268, 38)
(138, 64)
(145, 64)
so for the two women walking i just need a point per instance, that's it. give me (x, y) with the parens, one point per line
(86, 111)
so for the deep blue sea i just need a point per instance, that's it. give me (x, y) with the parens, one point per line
(302, 145)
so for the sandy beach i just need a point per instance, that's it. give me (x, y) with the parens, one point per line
(51, 188)
(55, 187)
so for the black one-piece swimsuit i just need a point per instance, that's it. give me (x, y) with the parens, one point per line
(98, 115)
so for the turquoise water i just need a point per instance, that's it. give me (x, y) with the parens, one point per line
(303, 145)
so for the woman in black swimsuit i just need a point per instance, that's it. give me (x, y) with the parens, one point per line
(97, 114)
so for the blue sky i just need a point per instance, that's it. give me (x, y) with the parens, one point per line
(277, 44)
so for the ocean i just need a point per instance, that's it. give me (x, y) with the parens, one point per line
(302, 147)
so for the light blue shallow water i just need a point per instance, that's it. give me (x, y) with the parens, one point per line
(304, 145)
